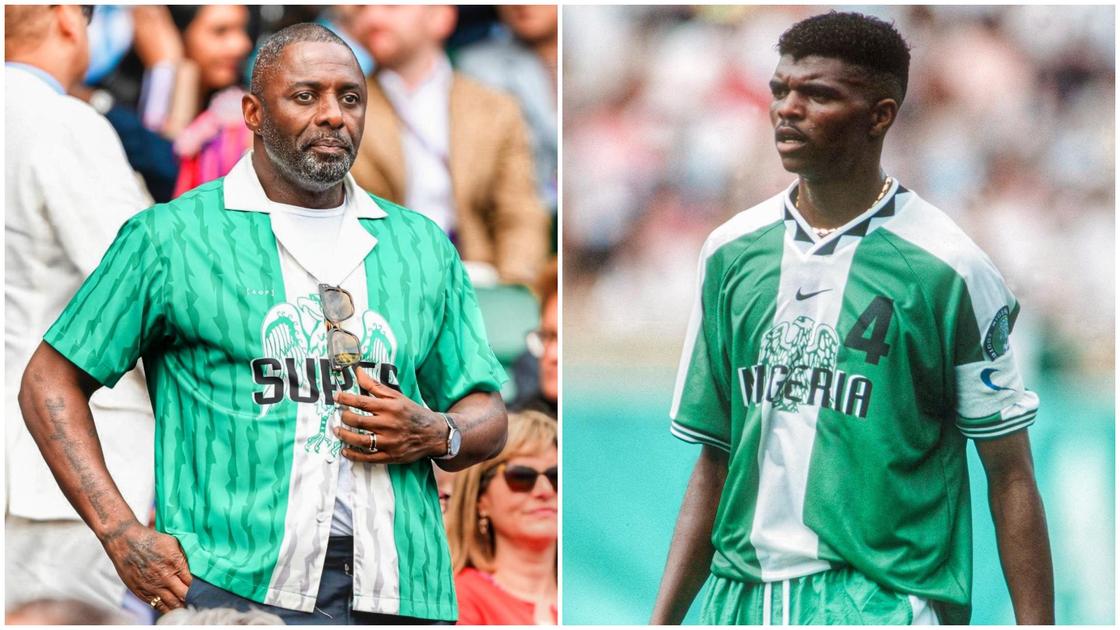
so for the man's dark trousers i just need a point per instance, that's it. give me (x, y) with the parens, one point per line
(332, 605)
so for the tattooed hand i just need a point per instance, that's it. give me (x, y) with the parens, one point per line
(405, 430)
(54, 398)
(151, 564)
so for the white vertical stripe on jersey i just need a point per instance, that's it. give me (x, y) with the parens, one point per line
(922, 613)
(785, 602)
(376, 572)
(312, 484)
(376, 566)
(786, 547)
(766, 611)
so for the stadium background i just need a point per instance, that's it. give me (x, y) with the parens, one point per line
(118, 70)
(1008, 125)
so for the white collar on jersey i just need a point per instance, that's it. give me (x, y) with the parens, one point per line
(242, 190)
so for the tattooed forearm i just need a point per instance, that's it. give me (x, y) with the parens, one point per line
(481, 417)
(55, 408)
(54, 399)
(118, 531)
(486, 415)
(61, 431)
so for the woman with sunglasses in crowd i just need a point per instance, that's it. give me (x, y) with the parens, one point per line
(501, 525)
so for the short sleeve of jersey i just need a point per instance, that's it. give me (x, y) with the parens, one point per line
(460, 360)
(117, 312)
(701, 408)
(991, 400)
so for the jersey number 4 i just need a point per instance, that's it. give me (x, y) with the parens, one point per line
(870, 330)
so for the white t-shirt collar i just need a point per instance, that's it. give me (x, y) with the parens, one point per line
(243, 193)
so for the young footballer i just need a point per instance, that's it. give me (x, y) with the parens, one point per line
(847, 341)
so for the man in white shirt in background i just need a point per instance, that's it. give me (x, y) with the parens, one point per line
(522, 61)
(68, 189)
(416, 79)
(449, 147)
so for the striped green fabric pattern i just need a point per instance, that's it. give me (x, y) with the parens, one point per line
(840, 597)
(229, 325)
(843, 375)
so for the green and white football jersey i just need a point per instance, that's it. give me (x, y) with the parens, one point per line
(222, 303)
(842, 375)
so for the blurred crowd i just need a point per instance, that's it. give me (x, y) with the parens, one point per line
(1008, 125)
(461, 126)
(481, 163)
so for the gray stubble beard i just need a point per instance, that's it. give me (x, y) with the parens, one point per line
(303, 168)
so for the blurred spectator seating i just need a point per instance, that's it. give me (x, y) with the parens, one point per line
(63, 612)
(667, 135)
(510, 311)
(448, 147)
(521, 60)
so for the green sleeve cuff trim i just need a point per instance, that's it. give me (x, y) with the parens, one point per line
(695, 437)
(977, 423)
(993, 420)
(1004, 428)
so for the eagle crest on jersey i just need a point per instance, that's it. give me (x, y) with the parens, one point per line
(800, 346)
(299, 331)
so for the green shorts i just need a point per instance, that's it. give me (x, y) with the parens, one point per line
(837, 597)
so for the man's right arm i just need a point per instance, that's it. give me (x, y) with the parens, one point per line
(54, 398)
(690, 553)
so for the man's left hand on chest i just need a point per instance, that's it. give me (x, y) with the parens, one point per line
(404, 431)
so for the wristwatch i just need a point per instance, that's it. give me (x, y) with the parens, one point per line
(454, 438)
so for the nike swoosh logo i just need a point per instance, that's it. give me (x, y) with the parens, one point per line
(805, 296)
(986, 378)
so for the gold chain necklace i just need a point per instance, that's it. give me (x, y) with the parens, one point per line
(823, 232)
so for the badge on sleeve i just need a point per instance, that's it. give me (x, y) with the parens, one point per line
(996, 341)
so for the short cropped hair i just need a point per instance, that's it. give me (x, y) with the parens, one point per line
(857, 39)
(25, 25)
(268, 57)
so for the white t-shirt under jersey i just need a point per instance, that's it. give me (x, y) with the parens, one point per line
(320, 229)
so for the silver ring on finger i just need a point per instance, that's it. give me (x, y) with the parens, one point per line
(155, 601)
(372, 442)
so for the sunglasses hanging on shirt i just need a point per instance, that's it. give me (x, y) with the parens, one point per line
(344, 347)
